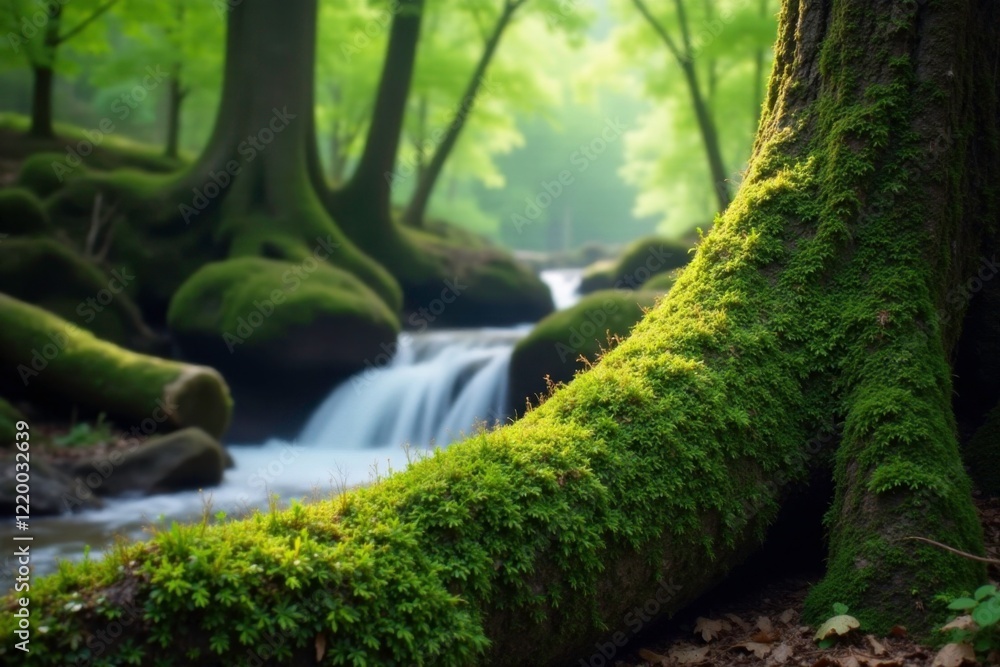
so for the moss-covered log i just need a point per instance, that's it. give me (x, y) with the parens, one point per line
(813, 301)
(53, 361)
(641, 261)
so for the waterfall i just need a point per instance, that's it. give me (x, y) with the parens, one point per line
(436, 388)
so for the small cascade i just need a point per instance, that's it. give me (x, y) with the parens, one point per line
(437, 387)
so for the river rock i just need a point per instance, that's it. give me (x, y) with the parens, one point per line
(48, 489)
(186, 459)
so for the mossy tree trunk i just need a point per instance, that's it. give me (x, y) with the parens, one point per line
(251, 192)
(813, 306)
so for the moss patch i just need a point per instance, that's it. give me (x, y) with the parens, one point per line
(51, 275)
(555, 345)
(642, 260)
(280, 315)
(54, 362)
(21, 213)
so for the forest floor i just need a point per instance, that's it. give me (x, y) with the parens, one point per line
(760, 625)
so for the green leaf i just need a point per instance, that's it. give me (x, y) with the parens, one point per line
(959, 604)
(985, 616)
(985, 591)
(839, 608)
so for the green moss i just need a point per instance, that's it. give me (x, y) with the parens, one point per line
(21, 213)
(44, 173)
(260, 313)
(642, 260)
(215, 298)
(813, 299)
(982, 454)
(554, 347)
(51, 275)
(662, 282)
(53, 361)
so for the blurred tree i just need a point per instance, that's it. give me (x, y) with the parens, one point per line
(184, 38)
(721, 62)
(35, 32)
(492, 21)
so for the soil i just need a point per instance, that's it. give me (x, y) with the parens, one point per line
(760, 624)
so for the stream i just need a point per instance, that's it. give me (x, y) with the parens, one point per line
(439, 386)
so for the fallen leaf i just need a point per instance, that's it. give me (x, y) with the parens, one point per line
(954, 655)
(851, 661)
(320, 646)
(838, 625)
(765, 637)
(654, 658)
(758, 649)
(890, 662)
(688, 655)
(764, 623)
(876, 645)
(709, 628)
(787, 616)
(898, 631)
(744, 626)
(960, 623)
(781, 654)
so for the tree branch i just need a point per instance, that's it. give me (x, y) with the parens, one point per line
(664, 35)
(86, 22)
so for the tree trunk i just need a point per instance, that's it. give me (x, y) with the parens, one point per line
(417, 207)
(363, 206)
(175, 98)
(251, 192)
(812, 307)
(41, 103)
(44, 77)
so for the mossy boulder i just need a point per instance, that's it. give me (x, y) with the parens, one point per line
(662, 282)
(50, 487)
(51, 361)
(53, 276)
(460, 280)
(185, 459)
(21, 213)
(269, 319)
(44, 173)
(554, 347)
(642, 260)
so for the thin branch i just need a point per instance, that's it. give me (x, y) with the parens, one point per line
(664, 35)
(685, 31)
(955, 551)
(86, 22)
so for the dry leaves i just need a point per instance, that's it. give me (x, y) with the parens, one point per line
(710, 628)
(954, 655)
(688, 655)
(781, 654)
(758, 649)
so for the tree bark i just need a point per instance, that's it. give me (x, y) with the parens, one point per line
(252, 190)
(363, 206)
(417, 208)
(813, 307)
(175, 99)
(41, 103)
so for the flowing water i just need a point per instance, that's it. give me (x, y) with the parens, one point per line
(438, 386)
